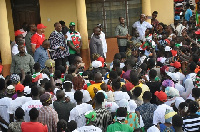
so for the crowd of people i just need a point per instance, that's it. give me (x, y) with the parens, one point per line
(153, 83)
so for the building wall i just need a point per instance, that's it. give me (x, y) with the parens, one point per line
(165, 10)
(10, 20)
(52, 11)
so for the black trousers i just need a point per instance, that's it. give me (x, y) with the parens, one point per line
(122, 48)
(72, 57)
(60, 61)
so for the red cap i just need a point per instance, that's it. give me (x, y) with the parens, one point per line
(18, 32)
(176, 64)
(197, 32)
(174, 52)
(41, 26)
(102, 60)
(162, 96)
(19, 87)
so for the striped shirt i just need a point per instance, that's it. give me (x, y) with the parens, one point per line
(191, 123)
(48, 116)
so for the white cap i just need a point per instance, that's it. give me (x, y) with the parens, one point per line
(124, 103)
(174, 76)
(96, 64)
(132, 106)
(168, 48)
(172, 92)
(27, 90)
(153, 129)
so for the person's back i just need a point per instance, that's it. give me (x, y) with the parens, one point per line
(91, 128)
(119, 127)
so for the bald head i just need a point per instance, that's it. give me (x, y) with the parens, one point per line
(97, 31)
(60, 94)
(98, 77)
(46, 44)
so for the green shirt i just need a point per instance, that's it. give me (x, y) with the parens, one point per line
(121, 31)
(25, 62)
(74, 39)
(118, 127)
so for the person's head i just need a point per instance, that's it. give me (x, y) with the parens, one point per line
(36, 67)
(177, 121)
(72, 26)
(151, 63)
(195, 58)
(99, 98)
(113, 75)
(192, 67)
(33, 113)
(147, 96)
(121, 112)
(142, 18)
(168, 115)
(32, 28)
(160, 27)
(19, 113)
(46, 44)
(161, 97)
(96, 31)
(58, 27)
(152, 74)
(61, 125)
(62, 23)
(72, 69)
(3, 84)
(48, 87)
(193, 107)
(90, 117)
(98, 77)
(72, 125)
(78, 96)
(123, 57)
(21, 48)
(184, 23)
(104, 87)
(121, 20)
(116, 63)
(196, 93)
(60, 95)
(134, 78)
(35, 91)
(117, 56)
(116, 85)
(154, 14)
(45, 99)
(78, 82)
(19, 41)
(187, 6)
(77, 61)
(183, 109)
(41, 90)
(137, 91)
(19, 88)
(40, 28)
(57, 74)
(130, 63)
(25, 26)
(148, 31)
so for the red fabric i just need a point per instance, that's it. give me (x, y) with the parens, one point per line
(129, 86)
(102, 60)
(33, 127)
(37, 78)
(174, 52)
(41, 26)
(110, 88)
(36, 39)
(122, 73)
(85, 87)
(18, 32)
(1, 68)
(92, 82)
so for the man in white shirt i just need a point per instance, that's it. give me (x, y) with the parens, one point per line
(34, 103)
(178, 26)
(141, 26)
(77, 113)
(159, 113)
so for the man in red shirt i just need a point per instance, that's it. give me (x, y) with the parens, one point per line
(38, 38)
(33, 125)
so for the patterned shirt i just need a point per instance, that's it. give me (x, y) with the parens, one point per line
(103, 119)
(40, 56)
(146, 111)
(57, 39)
(121, 31)
(49, 116)
(74, 38)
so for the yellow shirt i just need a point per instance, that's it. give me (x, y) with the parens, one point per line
(144, 88)
(91, 87)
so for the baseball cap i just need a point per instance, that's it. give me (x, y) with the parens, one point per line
(18, 32)
(27, 90)
(96, 64)
(174, 76)
(41, 26)
(171, 92)
(10, 89)
(197, 32)
(44, 98)
(50, 63)
(176, 64)
(19, 87)
(71, 24)
(162, 96)
(169, 114)
(177, 17)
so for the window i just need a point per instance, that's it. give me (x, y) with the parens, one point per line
(107, 12)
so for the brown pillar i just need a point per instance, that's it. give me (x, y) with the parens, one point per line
(4, 39)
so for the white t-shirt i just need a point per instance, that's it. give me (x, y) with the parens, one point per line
(86, 95)
(119, 95)
(179, 87)
(159, 113)
(111, 106)
(78, 114)
(28, 106)
(18, 102)
(89, 129)
(70, 95)
(4, 104)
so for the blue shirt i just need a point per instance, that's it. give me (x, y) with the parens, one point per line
(41, 56)
(188, 14)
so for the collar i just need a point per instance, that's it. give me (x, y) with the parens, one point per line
(39, 34)
(123, 25)
(57, 32)
(72, 32)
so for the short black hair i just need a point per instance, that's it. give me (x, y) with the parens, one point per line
(71, 69)
(67, 85)
(47, 86)
(151, 62)
(72, 125)
(177, 121)
(123, 55)
(121, 112)
(61, 125)
(155, 12)
(187, 5)
(120, 18)
(78, 96)
(61, 68)
(119, 71)
(117, 56)
(192, 66)
(33, 113)
(116, 63)
(196, 92)
(113, 74)
(58, 94)
(3, 83)
(99, 97)
(152, 73)
(57, 73)
(36, 66)
(68, 77)
(193, 107)
(19, 113)
(134, 78)
(62, 22)
(147, 95)
(34, 91)
(182, 105)
(130, 62)
(137, 91)
(116, 84)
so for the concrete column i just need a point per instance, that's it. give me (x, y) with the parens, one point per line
(146, 9)
(4, 39)
(82, 28)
